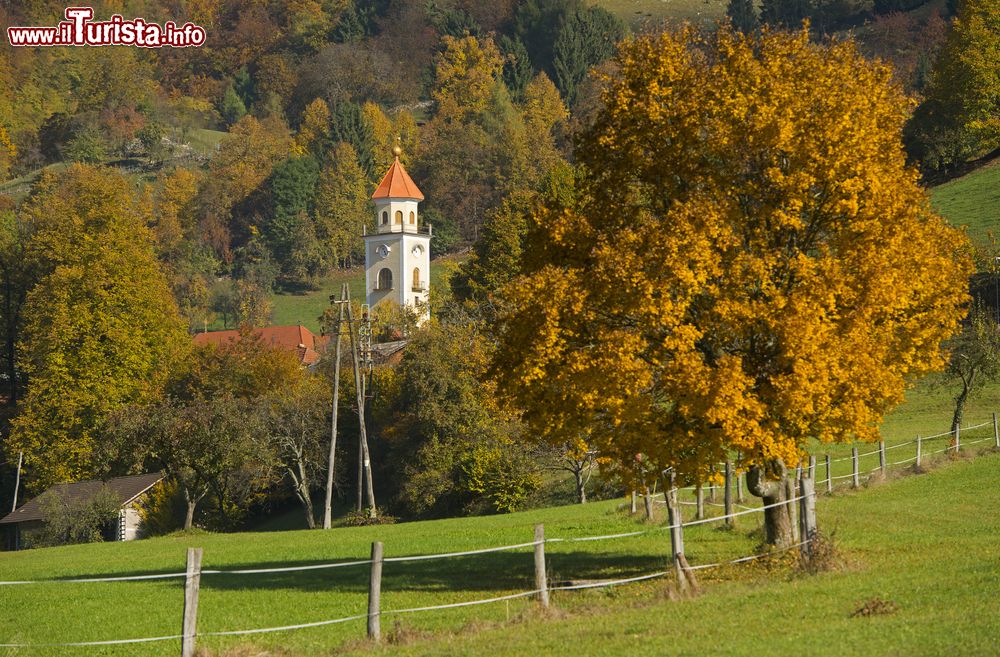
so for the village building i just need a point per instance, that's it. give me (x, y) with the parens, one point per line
(129, 493)
(398, 254)
(305, 344)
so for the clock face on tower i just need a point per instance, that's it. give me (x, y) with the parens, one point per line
(418, 250)
(383, 250)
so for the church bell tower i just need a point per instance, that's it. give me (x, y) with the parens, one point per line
(398, 254)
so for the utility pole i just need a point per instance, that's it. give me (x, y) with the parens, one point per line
(327, 508)
(17, 481)
(359, 386)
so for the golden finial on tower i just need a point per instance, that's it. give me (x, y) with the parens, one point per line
(397, 150)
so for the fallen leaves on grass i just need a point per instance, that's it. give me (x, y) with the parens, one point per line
(875, 607)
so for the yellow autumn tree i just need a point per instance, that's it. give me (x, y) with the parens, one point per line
(100, 324)
(400, 129)
(465, 75)
(544, 115)
(748, 264)
(315, 128)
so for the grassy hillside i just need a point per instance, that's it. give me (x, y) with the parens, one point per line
(637, 12)
(972, 200)
(199, 142)
(307, 307)
(927, 543)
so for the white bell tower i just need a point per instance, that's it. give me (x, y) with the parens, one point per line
(398, 254)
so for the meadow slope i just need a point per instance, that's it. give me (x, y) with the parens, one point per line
(927, 542)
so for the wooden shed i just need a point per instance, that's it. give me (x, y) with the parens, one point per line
(128, 491)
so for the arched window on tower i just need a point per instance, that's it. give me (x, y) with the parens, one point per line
(413, 218)
(384, 281)
(417, 285)
(399, 217)
(385, 217)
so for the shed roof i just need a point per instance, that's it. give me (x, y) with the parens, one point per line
(125, 489)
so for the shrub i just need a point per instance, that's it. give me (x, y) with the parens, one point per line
(499, 476)
(69, 521)
(162, 510)
(363, 519)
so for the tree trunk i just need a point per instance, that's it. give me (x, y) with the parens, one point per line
(762, 482)
(300, 480)
(308, 505)
(189, 517)
(581, 486)
(647, 500)
(956, 419)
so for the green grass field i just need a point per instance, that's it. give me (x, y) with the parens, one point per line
(636, 13)
(202, 141)
(972, 200)
(927, 543)
(307, 307)
(18, 188)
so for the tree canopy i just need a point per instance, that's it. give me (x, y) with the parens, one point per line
(100, 325)
(960, 118)
(738, 272)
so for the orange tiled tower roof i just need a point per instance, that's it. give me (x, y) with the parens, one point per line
(397, 184)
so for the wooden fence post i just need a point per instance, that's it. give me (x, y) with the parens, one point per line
(711, 485)
(192, 584)
(919, 446)
(633, 509)
(856, 478)
(807, 514)
(829, 475)
(812, 467)
(375, 594)
(791, 486)
(958, 438)
(881, 456)
(739, 489)
(541, 581)
(674, 520)
(728, 497)
(699, 499)
(996, 432)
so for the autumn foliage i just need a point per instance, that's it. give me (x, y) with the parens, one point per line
(748, 265)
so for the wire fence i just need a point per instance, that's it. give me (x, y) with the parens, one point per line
(541, 588)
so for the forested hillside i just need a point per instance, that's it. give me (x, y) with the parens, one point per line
(146, 194)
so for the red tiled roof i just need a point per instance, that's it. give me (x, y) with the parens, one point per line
(397, 184)
(307, 356)
(296, 338)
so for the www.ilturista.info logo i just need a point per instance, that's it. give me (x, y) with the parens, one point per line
(79, 30)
